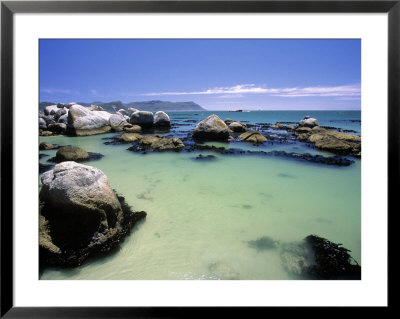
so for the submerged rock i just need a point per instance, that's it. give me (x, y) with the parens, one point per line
(206, 157)
(211, 128)
(80, 215)
(223, 271)
(252, 137)
(263, 243)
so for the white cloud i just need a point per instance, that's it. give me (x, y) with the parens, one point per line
(353, 90)
(61, 91)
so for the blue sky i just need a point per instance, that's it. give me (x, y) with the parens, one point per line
(217, 74)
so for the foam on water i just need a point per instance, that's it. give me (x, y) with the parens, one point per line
(201, 214)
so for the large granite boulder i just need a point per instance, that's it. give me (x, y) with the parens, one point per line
(253, 137)
(142, 118)
(71, 153)
(308, 122)
(211, 128)
(82, 121)
(118, 122)
(161, 119)
(50, 109)
(80, 214)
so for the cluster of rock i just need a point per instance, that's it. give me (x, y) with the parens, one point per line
(75, 119)
(80, 215)
(53, 119)
(214, 129)
(308, 130)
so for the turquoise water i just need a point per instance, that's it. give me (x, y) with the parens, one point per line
(201, 214)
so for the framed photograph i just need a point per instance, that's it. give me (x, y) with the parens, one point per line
(196, 154)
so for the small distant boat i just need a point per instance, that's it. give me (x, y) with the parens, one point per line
(236, 111)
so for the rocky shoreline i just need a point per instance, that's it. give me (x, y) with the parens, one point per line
(140, 128)
(81, 216)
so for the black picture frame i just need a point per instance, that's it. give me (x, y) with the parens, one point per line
(9, 8)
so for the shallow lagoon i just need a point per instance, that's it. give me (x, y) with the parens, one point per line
(203, 213)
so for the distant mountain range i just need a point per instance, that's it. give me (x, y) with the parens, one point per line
(152, 106)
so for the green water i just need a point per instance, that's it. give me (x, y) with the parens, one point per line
(201, 213)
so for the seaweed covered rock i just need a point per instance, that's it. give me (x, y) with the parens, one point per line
(318, 258)
(80, 215)
(252, 137)
(211, 128)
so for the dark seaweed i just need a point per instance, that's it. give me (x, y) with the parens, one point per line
(331, 260)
